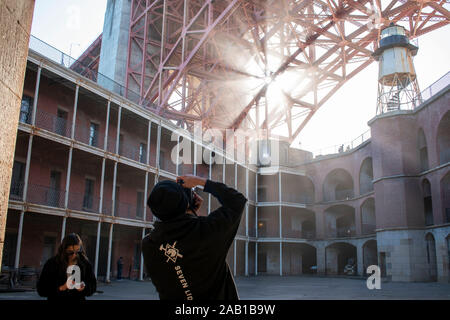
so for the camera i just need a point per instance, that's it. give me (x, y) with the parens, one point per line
(189, 193)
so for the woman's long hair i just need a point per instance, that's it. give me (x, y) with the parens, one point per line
(70, 240)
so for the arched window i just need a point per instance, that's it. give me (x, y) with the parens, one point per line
(370, 254)
(297, 189)
(427, 202)
(340, 221)
(366, 177)
(445, 192)
(341, 258)
(431, 256)
(443, 139)
(338, 185)
(448, 252)
(423, 151)
(309, 229)
(368, 219)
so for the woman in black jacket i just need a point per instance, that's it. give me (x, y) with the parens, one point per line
(68, 275)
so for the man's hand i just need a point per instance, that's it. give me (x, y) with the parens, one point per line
(63, 287)
(82, 286)
(191, 181)
(198, 201)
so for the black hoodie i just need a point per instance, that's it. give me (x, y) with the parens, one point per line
(186, 257)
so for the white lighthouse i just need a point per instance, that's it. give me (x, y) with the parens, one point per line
(397, 82)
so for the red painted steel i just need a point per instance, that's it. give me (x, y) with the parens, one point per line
(184, 56)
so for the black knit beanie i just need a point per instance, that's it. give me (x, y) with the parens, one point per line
(167, 200)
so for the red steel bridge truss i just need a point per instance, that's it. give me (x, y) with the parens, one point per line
(260, 65)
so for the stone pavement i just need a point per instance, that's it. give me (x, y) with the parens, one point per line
(276, 288)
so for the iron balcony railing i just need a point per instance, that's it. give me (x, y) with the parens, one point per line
(85, 70)
(83, 202)
(435, 87)
(124, 210)
(130, 152)
(344, 194)
(16, 190)
(298, 198)
(84, 134)
(339, 195)
(299, 234)
(345, 232)
(63, 127)
(53, 123)
(45, 195)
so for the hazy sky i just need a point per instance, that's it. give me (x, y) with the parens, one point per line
(72, 25)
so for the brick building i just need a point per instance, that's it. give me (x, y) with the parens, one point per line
(86, 159)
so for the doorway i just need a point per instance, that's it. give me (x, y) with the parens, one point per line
(53, 196)
(61, 122)
(431, 257)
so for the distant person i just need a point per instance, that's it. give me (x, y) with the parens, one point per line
(68, 275)
(119, 268)
(349, 268)
(185, 255)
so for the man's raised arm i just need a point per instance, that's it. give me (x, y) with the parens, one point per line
(229, 198)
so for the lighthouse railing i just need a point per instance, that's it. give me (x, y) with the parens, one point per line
(435, 87)
(342, 147)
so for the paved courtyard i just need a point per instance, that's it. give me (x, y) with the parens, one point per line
(275, 288)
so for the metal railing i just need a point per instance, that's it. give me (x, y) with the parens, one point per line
(107, 207)
(435, 87)
(16, 190)
(299, 234)
(425, 94)
(84, 70)
(61, 126)
(83, 202)
(339, 195)
(53, 123)
(127, 210)
(306, 234)
(165, 163)
(46, 196)
(345, 232)
(303, 198)
(130, 152)
(111, 147)
(344, 194)
(268, 233)
(84, 134)
(343, 147)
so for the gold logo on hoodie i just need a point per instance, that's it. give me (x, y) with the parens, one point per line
(171, 252)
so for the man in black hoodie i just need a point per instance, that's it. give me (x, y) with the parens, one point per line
(185, 255)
